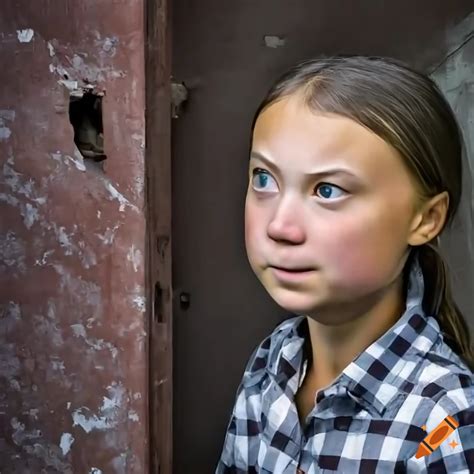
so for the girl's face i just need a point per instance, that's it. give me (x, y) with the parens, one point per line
(328, 209)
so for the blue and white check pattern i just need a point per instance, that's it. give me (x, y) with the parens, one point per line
(370, 419)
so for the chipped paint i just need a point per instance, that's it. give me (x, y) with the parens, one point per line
(139, 302)
(49, 454)
(66, 442)
(77, 161)
(97, 344)
(25, 36)
(12, 253)
(108, 413)
(116, 195)
(9, 362)
(71, 354)
(84, 69)
(44, 258)
(109, 235)
(135, 256)
(140, 139)
(30, 215)
(50, 49)
(10, 316)
(5, 133)
(109, 45)
(64, 240)
(33, 413)
(18, 182)
(48, 326)
(9, 199)
(6, 116)
(20, 433)
(72, 247)
(272, 41)
(84, 418)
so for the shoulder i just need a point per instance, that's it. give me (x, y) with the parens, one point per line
(446, 386)
(453, 406)
(443, 376)
(442, 380)
(450, 393)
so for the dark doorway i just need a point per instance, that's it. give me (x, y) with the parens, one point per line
(227, 54)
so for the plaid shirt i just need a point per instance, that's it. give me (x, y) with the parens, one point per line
(371, 419)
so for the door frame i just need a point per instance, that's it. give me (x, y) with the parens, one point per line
(158, 224)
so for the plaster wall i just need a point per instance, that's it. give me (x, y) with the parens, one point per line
(73, 368)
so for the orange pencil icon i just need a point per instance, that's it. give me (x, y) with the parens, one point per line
(437, 436)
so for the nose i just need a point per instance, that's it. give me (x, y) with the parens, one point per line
(287, 223)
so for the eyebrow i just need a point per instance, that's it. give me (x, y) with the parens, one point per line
(331, 171)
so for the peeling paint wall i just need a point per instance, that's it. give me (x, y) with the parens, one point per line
(72, 240)
(455, 76)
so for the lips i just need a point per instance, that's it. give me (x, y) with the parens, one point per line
(293, 270)
(291, 276)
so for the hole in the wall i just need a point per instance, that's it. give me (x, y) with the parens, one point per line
(85, 114)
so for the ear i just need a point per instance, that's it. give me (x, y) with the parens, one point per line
(429, 220)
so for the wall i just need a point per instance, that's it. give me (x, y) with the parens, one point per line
(73, 391)
(455, 76)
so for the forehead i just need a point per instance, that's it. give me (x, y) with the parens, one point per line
(295, 137)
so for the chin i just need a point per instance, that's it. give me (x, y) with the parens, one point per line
(295, 302)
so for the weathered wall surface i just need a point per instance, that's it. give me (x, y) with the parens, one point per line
(72, 239)
(455, 76)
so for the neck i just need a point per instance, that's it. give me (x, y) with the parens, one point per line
(335, 347)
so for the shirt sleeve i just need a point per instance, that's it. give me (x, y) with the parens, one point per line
(455, 455)
(240, 444)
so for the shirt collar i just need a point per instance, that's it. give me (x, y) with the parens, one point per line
(385, 368)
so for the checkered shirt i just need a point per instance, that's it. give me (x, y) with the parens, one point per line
(371, 419)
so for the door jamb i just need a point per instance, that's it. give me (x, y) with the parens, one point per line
(158, 224)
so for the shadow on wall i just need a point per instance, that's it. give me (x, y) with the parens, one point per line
(455, 77)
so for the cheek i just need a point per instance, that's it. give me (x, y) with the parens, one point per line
(362, 252)
(253, 230)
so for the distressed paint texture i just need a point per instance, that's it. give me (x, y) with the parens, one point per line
(72, 240)
(455, 76)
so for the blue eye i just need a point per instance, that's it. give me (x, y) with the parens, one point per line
(329, 191)
(262, 180)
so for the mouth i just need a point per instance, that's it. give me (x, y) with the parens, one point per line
(291, 274)
(293, 270)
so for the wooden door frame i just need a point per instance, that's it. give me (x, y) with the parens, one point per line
(158, 222)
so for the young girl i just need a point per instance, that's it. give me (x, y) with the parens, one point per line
(355, 169)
